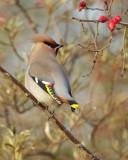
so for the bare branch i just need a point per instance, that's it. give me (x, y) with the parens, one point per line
(124, 24)
(96, 54)
(11, 44)
(123, 14)
(110, 5)
(107, 8)
(14, 49)
(40, 105)
(83, 20)
(93, 9)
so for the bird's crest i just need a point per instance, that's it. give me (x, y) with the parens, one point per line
(43, 38)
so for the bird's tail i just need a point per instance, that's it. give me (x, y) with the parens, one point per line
(74, 105)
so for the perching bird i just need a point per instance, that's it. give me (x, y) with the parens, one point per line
(45, 77)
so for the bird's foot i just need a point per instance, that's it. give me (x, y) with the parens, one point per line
(51, 112)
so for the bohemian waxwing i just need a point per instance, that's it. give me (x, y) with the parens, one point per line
(45, 77)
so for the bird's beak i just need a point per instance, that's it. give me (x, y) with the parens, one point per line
(59, 46)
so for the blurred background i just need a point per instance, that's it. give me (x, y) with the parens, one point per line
(99, 81)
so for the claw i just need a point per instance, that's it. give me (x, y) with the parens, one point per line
(51, 112)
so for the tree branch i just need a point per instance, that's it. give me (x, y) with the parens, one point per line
(61, 127)
(84, 20)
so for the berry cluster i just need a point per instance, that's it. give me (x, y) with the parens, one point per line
(111, 22)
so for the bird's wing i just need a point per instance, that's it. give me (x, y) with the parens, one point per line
(48, 87)
(44, 80)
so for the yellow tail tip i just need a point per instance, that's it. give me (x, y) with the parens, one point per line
(75, 106)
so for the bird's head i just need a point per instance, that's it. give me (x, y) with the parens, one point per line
(48, 42)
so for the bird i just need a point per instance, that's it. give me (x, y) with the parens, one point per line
(45, 78)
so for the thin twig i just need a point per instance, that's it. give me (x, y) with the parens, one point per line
(93, 9)
(48, 22)
(24, 11)
(61, 127)
(83, 20)
(123, 14)
(13, 47)
(124, 24)
(6, 111)
(97, 125)
(11, 44)
(86, 45)
(124, 53)
(108, 45)
(110, 5)
(99, 50)
(36, 7)
(106, 6)
(96, 54)
(4, 43)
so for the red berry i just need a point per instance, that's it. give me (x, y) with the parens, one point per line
(82, 4)
(111, 25)
(103, 19)
(80, 8)
(117, 19)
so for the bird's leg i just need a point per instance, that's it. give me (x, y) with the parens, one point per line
(51, 112)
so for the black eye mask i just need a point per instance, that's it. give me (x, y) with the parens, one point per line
(51, 45)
